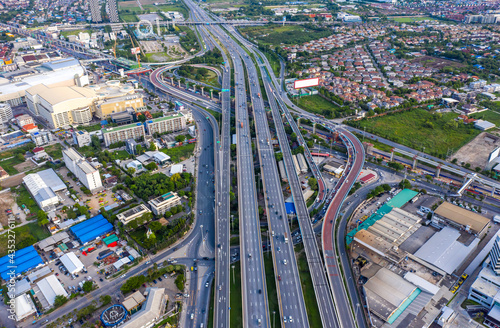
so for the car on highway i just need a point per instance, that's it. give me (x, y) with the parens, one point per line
(206, 284)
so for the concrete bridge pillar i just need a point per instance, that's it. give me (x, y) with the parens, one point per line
(414, 166)
(212, 94)
(172, 81)
(298, 122)
(438, 171)
(493, 191)
(392, 154)
(220, 96)
(314, 128)
(194, 87)
(465, 179)
(179, 83)
(202, 88)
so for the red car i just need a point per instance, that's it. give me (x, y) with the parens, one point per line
(279, 277)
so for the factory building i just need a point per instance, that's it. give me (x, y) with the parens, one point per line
(86, 173)
(296, 164)
(460, 218)
(43, 186)
(302, 163)
(50, 287)
(122, 133)
(281, 166)
(161, 125)
(161, 204)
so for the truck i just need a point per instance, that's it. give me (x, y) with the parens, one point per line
(285, 237)
(258, 95)
(241, 124)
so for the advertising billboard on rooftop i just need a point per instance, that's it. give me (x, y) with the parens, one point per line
(306, 83)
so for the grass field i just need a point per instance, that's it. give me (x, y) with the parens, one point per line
(181, 153)
(25, 198)
(74, 32)
(317, 105)
(236, 320)
(127, 18)
(54, 151)
(410, 19)
(308, 290)
(26, 235)
(277, 34)
(180, 9)
(8, 165)
(438, 133)
(489, 115)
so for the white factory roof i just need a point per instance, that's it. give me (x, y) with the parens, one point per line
(47, 243)
(50, 288)
(39, 188)
(421, 283)
(444, 251)
(177, 168)
(483, 125)
(21, 287)
(57, 95)
(42, 272)
(52, 180)
(24, 307)
(71, 262)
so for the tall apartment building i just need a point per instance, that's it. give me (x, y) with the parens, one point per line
(86, 173)
(161, 204)
(41, 138)
(5, 115)
(174, 122)
(122, 133)
(495, 255)
(95, 11)
(112, 11)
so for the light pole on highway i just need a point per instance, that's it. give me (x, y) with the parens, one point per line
(232, 266)
(274, 319)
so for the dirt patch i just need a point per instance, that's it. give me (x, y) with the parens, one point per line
(435, 62)
(7, 201)
(126, 4)
(477, 151)
(12, 181)
(23, 167)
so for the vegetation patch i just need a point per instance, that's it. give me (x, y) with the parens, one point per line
(275, 34)
(180, 153)
(318, 105)
(26, 235)
(440, 134)
(411, 19)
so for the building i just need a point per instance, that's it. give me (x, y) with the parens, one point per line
(133, 303)
(151, 311)
(133, 213)
(81, 138)
(122, 133)
(90, 229)
(50, 287)
(164, 124)
(61, 106)
(161, 204)
(56, 73)
(136, 165)
(131, 146)
(495, 255)
(483, 125)
(95, 11)
(116, 98)
(72, 263)
(41, 138)
(460, 218)
(302, 163)
(5, 114)
(86, 173)
(112, 11)
(24, 307)
(19, 262)
(296, 164)
(444, 251)
(176, 169)
(43, 186)
(24, 119)
(281, 167)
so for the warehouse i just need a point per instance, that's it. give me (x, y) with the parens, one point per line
(296, 164)
(444, 251)
(281, 166)
(50, 287)
(90, 229)
(132, 303)
(24, 260)
(460, 218)
(43, 186)
(24, 307)
(394, 299)
(51, 242)
(72, 263)
(389, 232)
(302, 163)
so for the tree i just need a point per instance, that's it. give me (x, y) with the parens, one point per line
(313, 183)
(155, 226)
(152, 146)
(131, 170)
(105, 300)
(87, 286)
(60, 300)
(179, 281)
(151, 166)
(142, 118)
(95, 142)
(42, 218)
(139, 149)
(279, 156)
(405, 184)
(180, 138)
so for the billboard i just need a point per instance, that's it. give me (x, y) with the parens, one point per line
(135, 50)
(306, 83)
